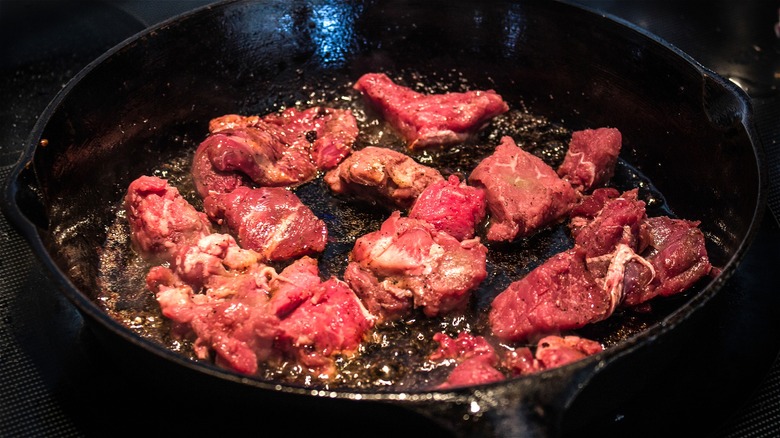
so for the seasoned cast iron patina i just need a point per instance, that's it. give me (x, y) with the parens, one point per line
(688, 144)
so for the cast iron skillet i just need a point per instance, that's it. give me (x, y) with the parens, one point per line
(685, 129)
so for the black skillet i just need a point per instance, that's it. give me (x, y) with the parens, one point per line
(687, 134)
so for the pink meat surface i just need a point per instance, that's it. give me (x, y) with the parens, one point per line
(284, 149)
(676, 250)
(382, 176)
(331, 322)
(430, 119)
(160, 219)
(408, 263)
(451, 206)
(590, 160)
(270, 220)
(551, 352)
(560, 294)
(476, 360)
(523, 193)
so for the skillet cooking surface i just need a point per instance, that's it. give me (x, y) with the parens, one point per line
(395, 358)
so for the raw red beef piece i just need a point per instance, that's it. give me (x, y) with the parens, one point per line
(433, 119)
(270, 220)
(294, 285)
(331, 322)
(330, 131)
(383, 176)
(161, 220)
(620, 220)
(408, 263)
(524, 194)
(556, 351)
(589, 206)
(475, 358)
(283, 149)
(451, 206)
(551, 352)
(590, 161)
(677, 252)
(560, 294)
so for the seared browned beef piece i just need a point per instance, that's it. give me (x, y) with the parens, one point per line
(590, 160)
(408, 263)
(560, 294)
(433, 119)
(161, 220)
(451, 206)
(283, 149)
(551, 352)
(270, 220)
(524, 194)
(476, 360)
(677, 251)
(382, 176)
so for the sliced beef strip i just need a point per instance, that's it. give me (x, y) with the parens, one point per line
(591, 157)
(382, 176)
(524, 194)
(284, 149)
(451, 206)
(408, 264)
(270, 220)
(432, 119)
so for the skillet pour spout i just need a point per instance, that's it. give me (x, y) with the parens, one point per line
(144, 106)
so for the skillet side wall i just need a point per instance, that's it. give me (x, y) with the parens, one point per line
(148, 100)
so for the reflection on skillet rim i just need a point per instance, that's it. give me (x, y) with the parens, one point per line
(27, 181)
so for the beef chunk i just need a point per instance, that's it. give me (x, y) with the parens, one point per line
(408, 263)
(276, 150)
(218, 292)
(160, 219)
(560, 294)
(434, 119)
(590, 161)
(523, 193)
(382, 176)
(677, 253)
(476, 360)
(331, 322)
(620, 220)
(270, 220)
(294, 285)
(551, 352)
(451, 206)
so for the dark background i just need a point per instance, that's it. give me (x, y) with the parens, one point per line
(55, 379)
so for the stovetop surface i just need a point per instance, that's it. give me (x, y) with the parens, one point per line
(55, 379)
